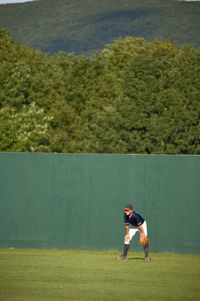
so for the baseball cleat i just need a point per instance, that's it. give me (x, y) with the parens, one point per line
(122, 258)
(147, 259)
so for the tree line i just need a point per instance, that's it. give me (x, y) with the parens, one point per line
(134, 96)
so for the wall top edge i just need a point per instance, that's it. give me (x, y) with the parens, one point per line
(97, 154)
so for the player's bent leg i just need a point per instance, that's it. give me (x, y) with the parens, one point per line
(146, 248)
(125, 251)
(146, 253)
(132, 232)
(144, 225)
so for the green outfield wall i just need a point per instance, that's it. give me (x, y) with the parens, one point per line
(76, 200)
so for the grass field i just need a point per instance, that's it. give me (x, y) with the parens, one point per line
(56, 275)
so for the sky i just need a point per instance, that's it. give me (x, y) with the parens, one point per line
(21, 1)
(14, 1)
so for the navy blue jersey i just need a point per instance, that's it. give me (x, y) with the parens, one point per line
(134, 219)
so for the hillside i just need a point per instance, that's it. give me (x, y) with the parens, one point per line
(87, 26)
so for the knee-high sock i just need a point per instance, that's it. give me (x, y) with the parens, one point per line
(126, 247)
(146, 250)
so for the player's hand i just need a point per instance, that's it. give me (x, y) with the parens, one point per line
(143, 239)
(127, 237)
(142, 236)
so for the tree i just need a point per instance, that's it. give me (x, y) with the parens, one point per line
(27, 130)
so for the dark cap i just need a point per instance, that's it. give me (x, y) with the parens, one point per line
(128, 207)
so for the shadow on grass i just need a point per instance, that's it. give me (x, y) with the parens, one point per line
(135, 258)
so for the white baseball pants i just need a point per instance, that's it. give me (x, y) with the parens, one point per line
(133, 230)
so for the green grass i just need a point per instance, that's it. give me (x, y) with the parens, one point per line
(96, 275)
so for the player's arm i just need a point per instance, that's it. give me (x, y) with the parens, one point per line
(127, 231)
(142, 230)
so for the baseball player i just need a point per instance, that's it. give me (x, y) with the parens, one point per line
(134, 222)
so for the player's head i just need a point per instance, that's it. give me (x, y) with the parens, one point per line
(128, 209)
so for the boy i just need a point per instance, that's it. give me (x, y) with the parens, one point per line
(133, 222)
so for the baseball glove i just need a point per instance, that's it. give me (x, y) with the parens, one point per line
(144, 240)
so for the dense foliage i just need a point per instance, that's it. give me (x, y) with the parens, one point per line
(84, 26)
(132, 97)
